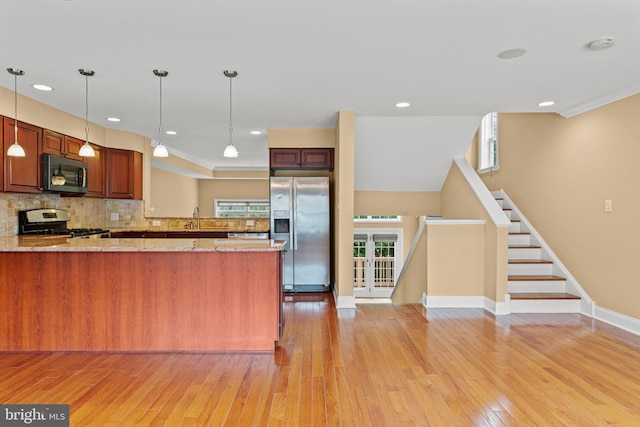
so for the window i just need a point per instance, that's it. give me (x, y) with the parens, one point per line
(488, 144)
(241, 208)
(377, 218)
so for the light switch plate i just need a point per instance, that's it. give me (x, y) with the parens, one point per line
(115, 216)
(608, 206)
(155, 223)
(250, 223)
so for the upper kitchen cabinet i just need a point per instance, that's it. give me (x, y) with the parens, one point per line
(301, 158)
(22, 174)
(96, 173)
(124, 174)
(61, 145)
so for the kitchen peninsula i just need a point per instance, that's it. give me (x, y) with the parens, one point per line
(140, 295)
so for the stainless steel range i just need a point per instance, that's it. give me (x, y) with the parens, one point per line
(54, 222)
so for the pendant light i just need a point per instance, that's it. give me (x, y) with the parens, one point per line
(160, 150)
(86, 150)
(15, 150)
(230, 151)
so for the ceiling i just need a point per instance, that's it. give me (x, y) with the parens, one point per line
(300, 62)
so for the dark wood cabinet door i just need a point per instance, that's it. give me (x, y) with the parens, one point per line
(61, 145)
(301, 158)
(2, 155)
(119, 173)
(52, 143)
(72, 147)
(23, 174)
(96, 175)
(316, 158)
(284, 158)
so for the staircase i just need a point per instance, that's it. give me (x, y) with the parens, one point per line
(535, 283)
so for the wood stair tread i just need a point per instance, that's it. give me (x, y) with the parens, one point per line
(518, 233)
(524, 246)
(541, 296)
(525, 278)
(530, 261)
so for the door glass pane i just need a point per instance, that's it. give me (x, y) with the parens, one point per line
(359, 263)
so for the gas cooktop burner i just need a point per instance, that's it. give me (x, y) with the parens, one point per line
(53, 222)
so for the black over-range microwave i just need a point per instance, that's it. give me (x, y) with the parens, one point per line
(63, 175)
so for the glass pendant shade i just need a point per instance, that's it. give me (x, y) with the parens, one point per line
(15, 150)
(230, 151)
(160, 151)
(87, 150)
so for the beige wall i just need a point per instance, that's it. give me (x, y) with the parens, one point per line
(559, 172)
(173, 195)
(455, 260)
(247, 189)
(344, 203)
(459, 202)
(301, 138)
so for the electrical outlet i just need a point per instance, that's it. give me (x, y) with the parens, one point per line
(608, 206)
(250, 223)
(115, 216)
(155, 223)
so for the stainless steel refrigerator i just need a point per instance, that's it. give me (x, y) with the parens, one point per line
(300, 215)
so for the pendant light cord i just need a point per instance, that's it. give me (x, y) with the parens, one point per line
(160, 128)
(15, 92)
(86, 108)
(230, 110)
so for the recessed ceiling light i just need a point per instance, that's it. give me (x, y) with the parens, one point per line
(402, 104)
(601, 44)
(171, 132)
(512, 53)
(256, 132)
(546, 103)
(42, 87)
(113, 119)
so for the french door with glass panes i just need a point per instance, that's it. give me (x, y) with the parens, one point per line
(376, 262)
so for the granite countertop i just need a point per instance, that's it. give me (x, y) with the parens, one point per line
(64, 244)
(194, 230)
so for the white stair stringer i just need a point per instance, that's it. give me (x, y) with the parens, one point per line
(530, 255)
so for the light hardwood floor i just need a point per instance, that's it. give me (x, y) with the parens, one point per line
(375, 365)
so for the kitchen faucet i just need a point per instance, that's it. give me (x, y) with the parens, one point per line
(196, 214)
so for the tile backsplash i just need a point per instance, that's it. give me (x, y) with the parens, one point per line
(85, 212)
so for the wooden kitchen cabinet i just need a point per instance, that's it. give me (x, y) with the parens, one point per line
(124, 174)
(61, 145)
(2, 155)
(301, 158)
(22, 174)
(96, 173)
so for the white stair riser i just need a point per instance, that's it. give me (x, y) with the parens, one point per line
(527, 253)
(545, 306)
(530, 269)
(554, 286)
(507, 213)
(500, 203)
(514, 227)
(519, 239)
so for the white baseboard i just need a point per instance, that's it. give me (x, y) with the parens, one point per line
(342, 301)
(618, 320)
(453, 302)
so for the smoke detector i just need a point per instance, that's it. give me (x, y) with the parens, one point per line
(601, 44)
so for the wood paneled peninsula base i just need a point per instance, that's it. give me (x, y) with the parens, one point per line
(140, 295)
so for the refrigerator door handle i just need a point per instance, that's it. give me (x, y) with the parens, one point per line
(294, 235)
